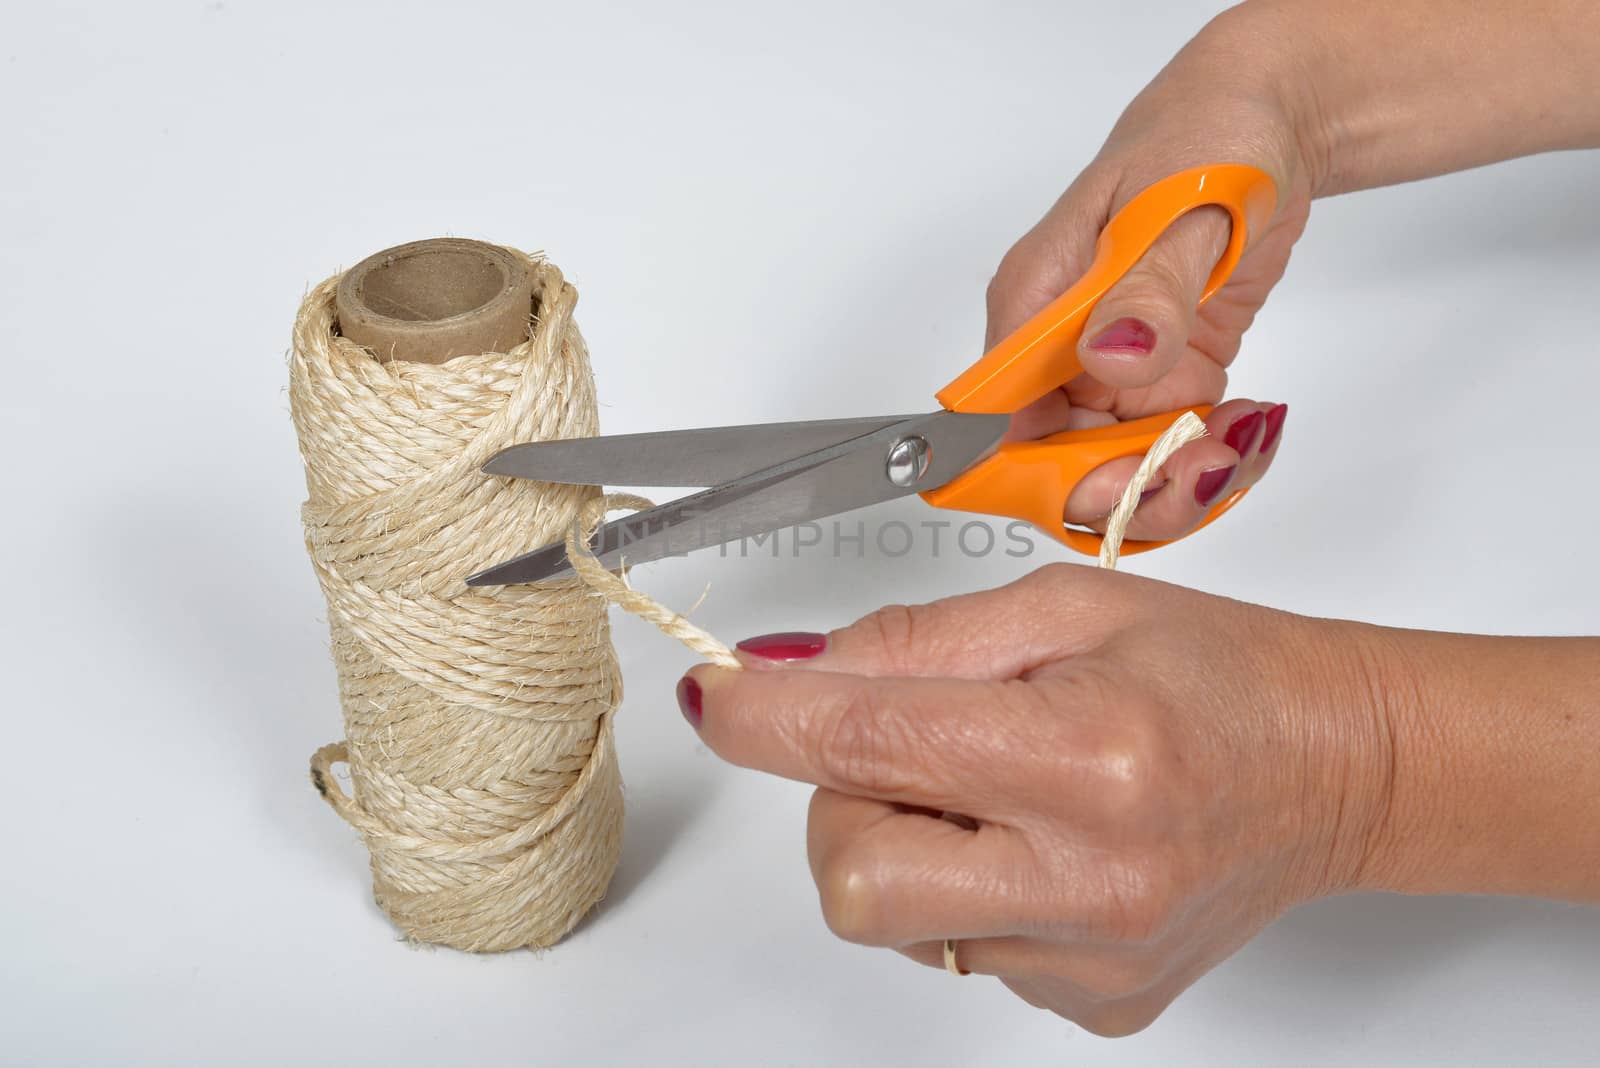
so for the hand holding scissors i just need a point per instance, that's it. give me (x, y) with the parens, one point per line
(765, 477)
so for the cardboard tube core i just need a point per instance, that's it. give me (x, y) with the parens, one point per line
(431, 300)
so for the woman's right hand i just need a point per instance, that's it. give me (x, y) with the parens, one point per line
(1326, 98)
(1148, 346)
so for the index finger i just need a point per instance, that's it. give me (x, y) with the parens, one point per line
(950, 744)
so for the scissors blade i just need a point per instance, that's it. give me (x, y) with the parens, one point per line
(836, 479)
(704, 457)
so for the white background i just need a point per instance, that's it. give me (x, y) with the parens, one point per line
(772, 212)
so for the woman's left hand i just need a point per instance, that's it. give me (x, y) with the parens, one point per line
(1139, 777)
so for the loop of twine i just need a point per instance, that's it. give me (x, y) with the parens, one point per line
(478, 721)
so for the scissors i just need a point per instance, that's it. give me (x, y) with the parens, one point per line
(766, 477)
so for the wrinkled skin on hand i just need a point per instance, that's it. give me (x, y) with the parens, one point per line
(1103, 786)
(1142, 778)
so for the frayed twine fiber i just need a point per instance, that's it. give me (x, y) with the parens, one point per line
(478, 722)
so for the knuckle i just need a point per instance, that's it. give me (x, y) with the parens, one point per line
(1091, 593)
(1156, 288)
(860, 745)
(1055, 580)
(894, 630)
(1167, 280)
(1125, 763)
(1128, 767)
(851, 897)
(1093, 742)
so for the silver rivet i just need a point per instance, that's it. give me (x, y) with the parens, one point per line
(908, 460)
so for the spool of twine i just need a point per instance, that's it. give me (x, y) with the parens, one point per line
(478, 721)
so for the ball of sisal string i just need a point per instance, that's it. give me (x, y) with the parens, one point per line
(478, 722)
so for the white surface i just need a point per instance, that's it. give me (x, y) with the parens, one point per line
(772, 211)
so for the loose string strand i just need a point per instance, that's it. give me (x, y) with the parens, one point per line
(614, 589)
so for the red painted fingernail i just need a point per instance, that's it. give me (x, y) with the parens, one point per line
(786, 645)
(1243, 432)
(1125, 335)
(1209, 486)
(689, 700)
(1275, 417)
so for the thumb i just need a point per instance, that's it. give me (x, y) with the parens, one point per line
(984, 636)
(1140, 329)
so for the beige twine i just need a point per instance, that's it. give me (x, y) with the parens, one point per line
(616, 589)
(478, 721)
(1188, 427)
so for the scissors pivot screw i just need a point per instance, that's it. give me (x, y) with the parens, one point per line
(908, 460)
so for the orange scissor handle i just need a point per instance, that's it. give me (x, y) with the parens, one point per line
(1031, 480)
(1042, 354)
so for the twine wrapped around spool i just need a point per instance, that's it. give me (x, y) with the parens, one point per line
(478, 722)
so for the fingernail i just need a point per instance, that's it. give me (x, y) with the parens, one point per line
(1209, 486)
(1151, 492)
(1125, 335)
(689, 700)
(1243, 432)
(786, 645)
(1275, 417)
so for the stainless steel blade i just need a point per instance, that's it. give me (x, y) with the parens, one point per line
(836, 479)
(703, 457)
